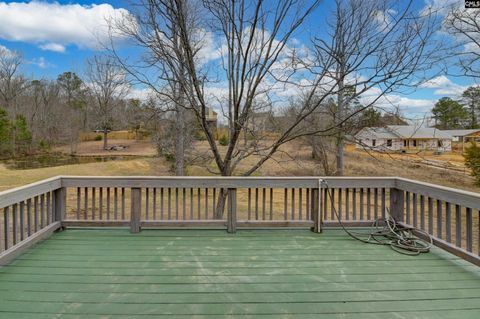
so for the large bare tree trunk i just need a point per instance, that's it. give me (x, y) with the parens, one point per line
(105, 139)
(180, 142)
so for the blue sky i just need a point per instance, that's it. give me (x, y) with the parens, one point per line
(57, 36)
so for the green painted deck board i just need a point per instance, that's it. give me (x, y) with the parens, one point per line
(252, 274)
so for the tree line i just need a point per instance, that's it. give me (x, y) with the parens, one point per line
(460, 113)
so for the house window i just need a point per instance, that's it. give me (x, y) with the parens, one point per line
(439, 143)
(374, 143)
(389, 143)
(414, 143)
(404, 143)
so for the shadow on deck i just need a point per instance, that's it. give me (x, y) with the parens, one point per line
(82, 273)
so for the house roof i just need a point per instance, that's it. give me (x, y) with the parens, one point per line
(403, 131)
(462, 132)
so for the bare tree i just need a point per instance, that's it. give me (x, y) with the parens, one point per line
(108, 84)
(373, 48)
(464, 25)
(257, 61)
(12, 84)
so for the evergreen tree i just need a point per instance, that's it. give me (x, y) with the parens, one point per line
(471, 97)
(472, 161)
(449, 114)
(5, 130)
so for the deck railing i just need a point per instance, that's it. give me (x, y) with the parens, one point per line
(32, 212)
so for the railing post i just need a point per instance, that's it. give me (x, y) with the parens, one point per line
(315, 209)
(60, 202)
(232, 210)
(397, 204)
(135, 209)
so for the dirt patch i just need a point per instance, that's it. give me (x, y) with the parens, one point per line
(95, 148)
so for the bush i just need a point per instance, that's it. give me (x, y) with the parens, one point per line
(472, 161)
(98, 138)
(223, 140)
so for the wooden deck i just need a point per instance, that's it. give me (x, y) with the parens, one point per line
(251, 274)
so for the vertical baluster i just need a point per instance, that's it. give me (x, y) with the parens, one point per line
(325, 203)
(29, 217)
(300, 202)
(407, 203)
(191, 203)
(176, 203)
(94, 199)
(147, 203)
(293, 204)
(35, 209)
(458, 225)
(354, 203)
(100, 203)
(340, 204)
(383, 202)
(6, 226)
(162, 213)
(271, 203)
(361, 204)
(184, 207)
(422, 212)
(285, 204)
(439, 219)
(108, 203)
(42, 211)
(415, 209)
(206, 203)
(331, 201)
(169, 203)
(256, 203)
(85, 199)
(79, 197)
(430, 215)
(347, 204)
(123, 203)
(469, 218)
(307, 204)
(214, 200)
(14, 224)
(154, 208)
(22, 220)
(448, 221)
(199, 213)
(263, 204)
(48, 211)
(369, 204)
(115, 203)
(375, 202)
(249, 204)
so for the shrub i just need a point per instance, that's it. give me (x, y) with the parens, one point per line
(472, 161)
(223, 140)
(98, 138)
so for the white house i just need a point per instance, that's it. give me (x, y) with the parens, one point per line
(464, 135)
(402, 138)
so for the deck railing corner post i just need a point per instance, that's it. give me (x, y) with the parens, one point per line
(60, 204)
(397, 204)
(315, 209)
(232, 210)
(135, 209)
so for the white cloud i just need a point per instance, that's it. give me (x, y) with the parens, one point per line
(54, 26)
(443, 86)
(55, 47)
(41, 63)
